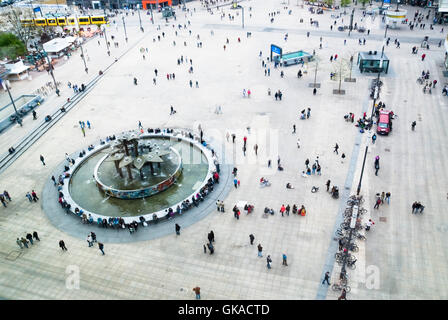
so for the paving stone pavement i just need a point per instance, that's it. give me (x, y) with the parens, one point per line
(403, 257)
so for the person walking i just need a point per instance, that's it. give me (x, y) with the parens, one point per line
(30, 198)
(377, 165)
(251, 238)
(369, 224)
(326, 278)
(42, 159)
(377, 204)
(336, 147)
(285, 262)
(3, 200)
(62, 245)
(388, 197)
(34, 195)
(101, 247)
(177, 229)
(235, 183)
(383, 195)
(210, 237)
(197, 290)
(25, 242)
(93, 237)
(256, 149)
(260, 250)
(30, 238)
(19, 243)
(298, 143)
(7, 196)
(343, 295)
(328, 185)
(268, 261)
(293, 128)
(89, 240)
(373, 138)
(36, 236)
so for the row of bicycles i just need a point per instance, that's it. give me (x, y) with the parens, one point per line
(346, 235)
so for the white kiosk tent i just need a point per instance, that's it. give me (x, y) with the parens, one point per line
(55, 48)
(16, 70)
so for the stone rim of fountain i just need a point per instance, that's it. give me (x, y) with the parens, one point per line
(177, 134)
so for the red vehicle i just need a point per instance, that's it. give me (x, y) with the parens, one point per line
(384, 125)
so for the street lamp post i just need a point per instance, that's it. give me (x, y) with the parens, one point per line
(138, 11)
(362, 171)
(351, 22)
(242, 14)
(107, 43)
(18, 118)
(124, 26)
(152, 16)
(51, 70)
(83, 58)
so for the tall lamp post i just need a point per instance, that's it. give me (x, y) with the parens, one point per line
(152, 16)
(138, 11)
(50, 66)
(351, 22)
(107, 43)
(124, 26)
(5, 85)
(83, 58)
(242, 14)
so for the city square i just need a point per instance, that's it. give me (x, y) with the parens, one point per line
(223, 104)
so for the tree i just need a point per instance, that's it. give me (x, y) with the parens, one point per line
(363, 2)
(328, 2)
(10, 21)
(11, 46)
(345, 3)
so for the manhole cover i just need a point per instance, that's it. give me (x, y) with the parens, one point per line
(387, 150)
(13, 255)
(383, 219)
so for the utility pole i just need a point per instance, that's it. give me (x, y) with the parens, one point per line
(124, 26)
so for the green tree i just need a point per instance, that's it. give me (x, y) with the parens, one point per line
(328, 2)
(10, 22)
(363, 2)
(10, 46)
(345, 3)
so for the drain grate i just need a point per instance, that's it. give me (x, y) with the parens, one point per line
(383, 219)
(387, 150)
(13, 255)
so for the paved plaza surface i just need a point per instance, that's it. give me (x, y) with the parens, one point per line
(404, 256)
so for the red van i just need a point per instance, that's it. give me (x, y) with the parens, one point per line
(384, 125)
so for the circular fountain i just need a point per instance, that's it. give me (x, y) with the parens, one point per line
(138, 174)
